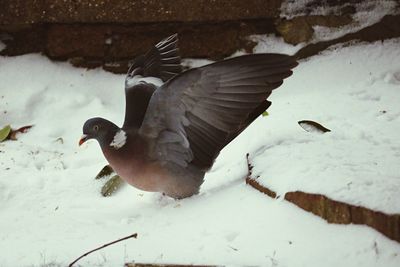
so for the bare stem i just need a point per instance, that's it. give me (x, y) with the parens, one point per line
(103, 246)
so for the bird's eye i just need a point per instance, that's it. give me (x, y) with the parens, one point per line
(96, 128)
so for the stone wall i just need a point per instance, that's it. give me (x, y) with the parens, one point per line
(15, 12)
(111, 32)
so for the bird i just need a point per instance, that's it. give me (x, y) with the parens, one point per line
(177, 122)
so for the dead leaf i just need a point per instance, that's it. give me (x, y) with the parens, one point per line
(5, 132)
(106, 171)
(13, 133)
(111, 186)
(313, 127)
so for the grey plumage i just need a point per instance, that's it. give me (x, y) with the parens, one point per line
(180, 127)
(161, 61)
(203, 107)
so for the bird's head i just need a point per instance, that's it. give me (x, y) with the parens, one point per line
(100, 129)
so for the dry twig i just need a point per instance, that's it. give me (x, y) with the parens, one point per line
(103, 246)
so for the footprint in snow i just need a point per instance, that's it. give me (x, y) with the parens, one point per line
(231, 236)
(392, 78)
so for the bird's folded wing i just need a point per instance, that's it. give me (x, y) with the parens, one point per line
(163, 62)
(137, 99)
(194, 115)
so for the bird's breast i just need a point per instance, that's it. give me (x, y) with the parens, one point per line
(137, 171)
(131, 164)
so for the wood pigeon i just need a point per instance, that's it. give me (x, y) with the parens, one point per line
(176, 123)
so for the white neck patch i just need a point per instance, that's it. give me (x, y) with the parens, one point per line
(119, 139)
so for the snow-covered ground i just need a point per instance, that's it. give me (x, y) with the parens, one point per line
(366, 13)
(51, 210)
(355, 92)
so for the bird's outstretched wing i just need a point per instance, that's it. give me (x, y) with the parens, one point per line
(194, 115)
(162, 62)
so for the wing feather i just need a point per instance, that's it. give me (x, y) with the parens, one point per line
(163, 62)
(209, 106)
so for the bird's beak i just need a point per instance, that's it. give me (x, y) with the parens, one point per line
(83, 139)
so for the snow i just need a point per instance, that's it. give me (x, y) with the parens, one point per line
(366, 14)
(269, 43)
(2, 46)
(51, 210)
(119, 139)
(353, 92)
(372, 8)
(108, 41)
